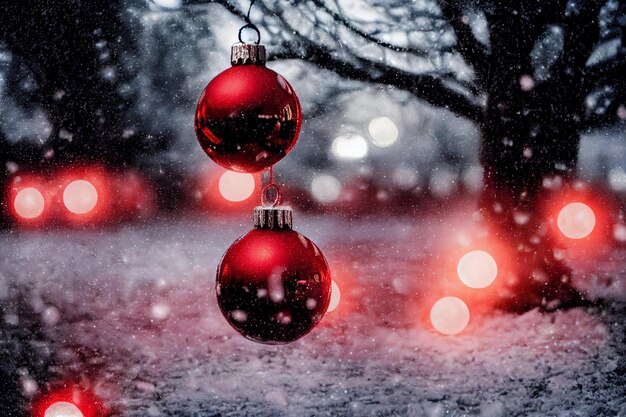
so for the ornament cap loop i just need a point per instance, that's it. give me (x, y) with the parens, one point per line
(274, 218)
(247, 53)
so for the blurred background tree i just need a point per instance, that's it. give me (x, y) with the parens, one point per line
(116, 83)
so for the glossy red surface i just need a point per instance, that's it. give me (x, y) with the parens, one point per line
(273, 286)
(248, 118)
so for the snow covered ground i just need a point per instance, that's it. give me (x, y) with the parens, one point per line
(134, 310)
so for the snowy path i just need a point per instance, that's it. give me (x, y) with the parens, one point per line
(138, 315)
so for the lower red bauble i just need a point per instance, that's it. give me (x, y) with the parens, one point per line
(273, 286)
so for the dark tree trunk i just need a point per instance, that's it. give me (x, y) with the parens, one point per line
(529, 133)
(83, 64)
(523, 143)
(62, 52)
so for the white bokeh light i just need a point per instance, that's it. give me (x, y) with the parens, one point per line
(236, 186)
(383, 131)
(325, 188)
(80, 197)
(63, 409)
(443, 182)
(473, 178)
(617, 179)
(576, 220)
(160, 311)
(349, 147)
(449, 315)
(335, 297)
(29, 203)
(477, 269)
(405, 178)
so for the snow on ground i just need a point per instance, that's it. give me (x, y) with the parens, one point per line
(134, 309)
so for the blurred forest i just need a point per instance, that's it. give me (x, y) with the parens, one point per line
(506, 101)
(488, 96)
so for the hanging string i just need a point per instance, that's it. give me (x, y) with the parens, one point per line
(249, 10)
(250, 25)
(271, 195)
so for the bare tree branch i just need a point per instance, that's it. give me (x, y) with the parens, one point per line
(429, 87)
(467, 45)
(581, 39)
(426, 87)
(348, 25)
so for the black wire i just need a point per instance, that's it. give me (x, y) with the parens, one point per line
(250, 25)
(249, 10)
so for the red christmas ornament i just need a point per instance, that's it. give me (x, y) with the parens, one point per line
(248, 117)
(273, 284)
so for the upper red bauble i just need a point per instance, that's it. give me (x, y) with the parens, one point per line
(248, 118)
(273, 286)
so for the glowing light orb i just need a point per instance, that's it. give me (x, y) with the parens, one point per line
(477, 269)
(236, 186)
(325, 188)
(63, 409)
(383, 131)
(349, 147)
(80, 197)
(449, 315)
(29, 203)
(405, 178)
(576, 220)
(160, 311)
(335, 296)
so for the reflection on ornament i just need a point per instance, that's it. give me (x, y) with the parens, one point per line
(29, 203)
(477, 269)
(80, 197)
(449, 315)
(248, 117)
(273, 284)
(576, 220)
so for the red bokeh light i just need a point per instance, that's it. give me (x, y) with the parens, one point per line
(454, 274)
(236, 186)
(28, 199)
(84, 194)
(576, 220)
(477, 269)
(222, 191)
(29, 203)
(347, 299)
(134, 196)
(65, 401)
(80, 196)
(449, 315)
(456, 240)
(570, 221)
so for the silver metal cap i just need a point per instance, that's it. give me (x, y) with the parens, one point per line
(247, 53)
(275, 218)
